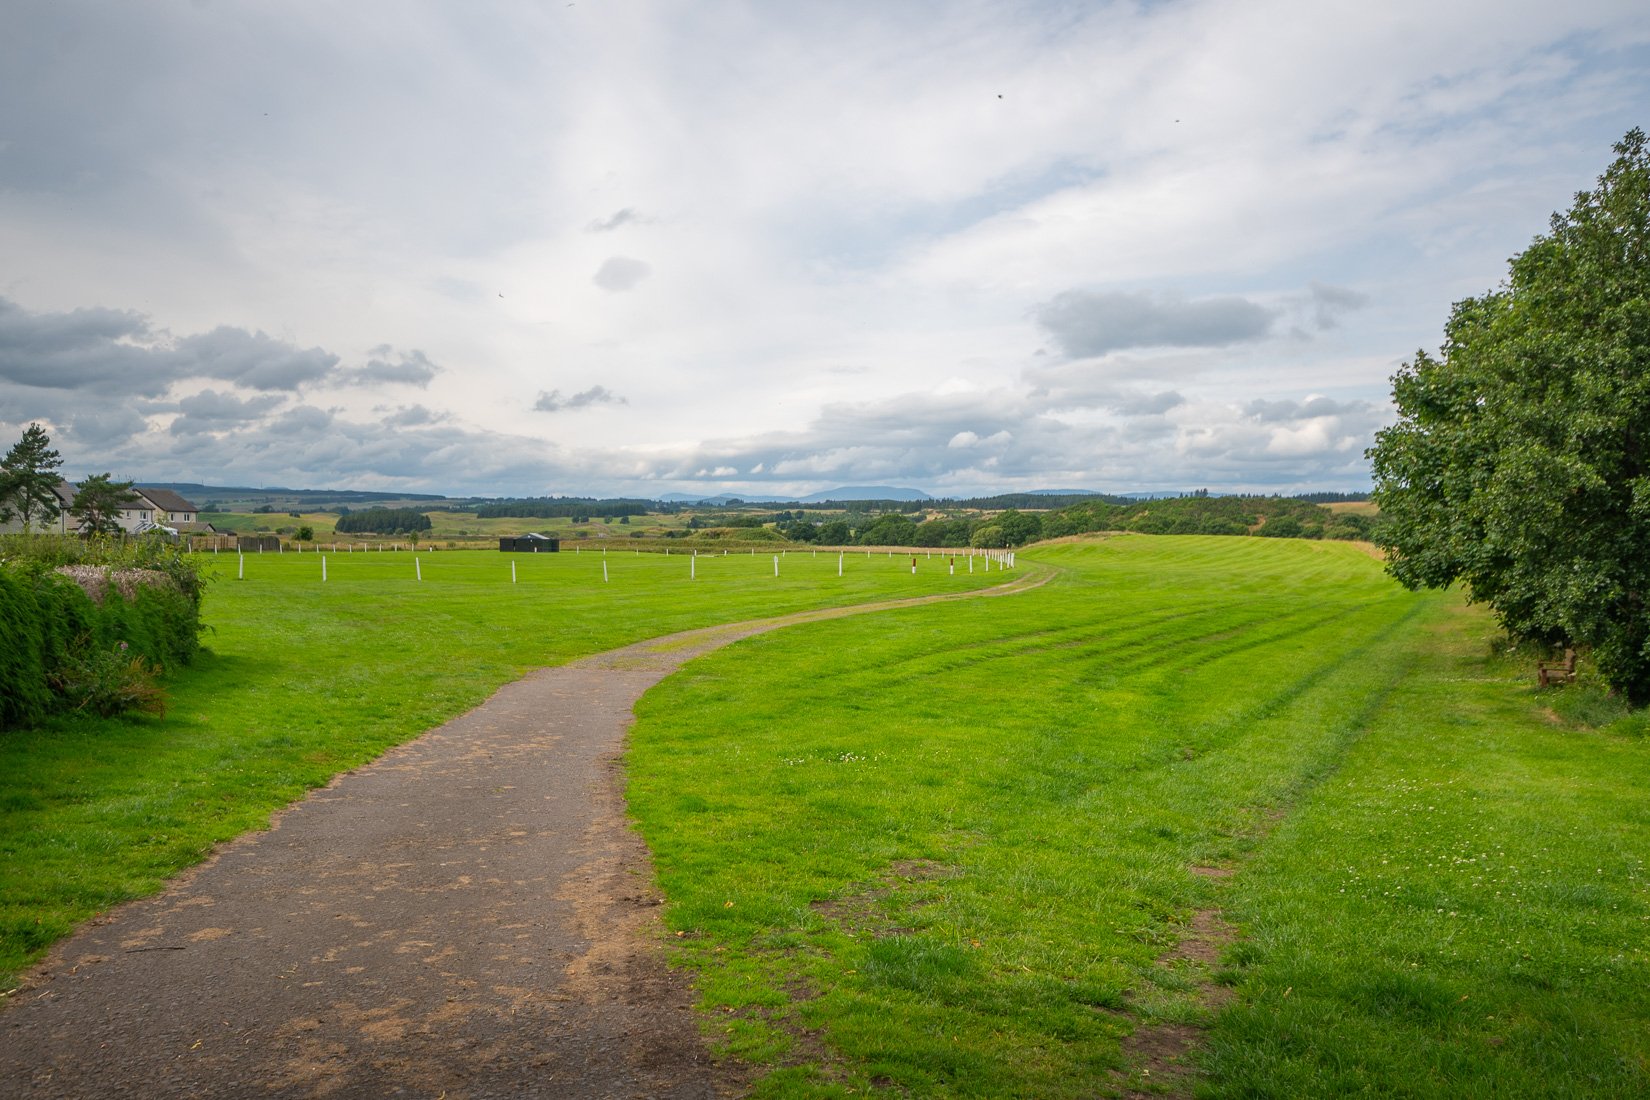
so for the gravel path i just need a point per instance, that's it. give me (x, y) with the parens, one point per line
(467, 916)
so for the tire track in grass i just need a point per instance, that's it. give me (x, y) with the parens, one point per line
(1088, 790)
(1255, 631)
(1162, 1056)
(1214, 730)
(1127, 645)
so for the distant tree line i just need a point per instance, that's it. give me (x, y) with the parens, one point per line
(1010, 528)
(383, 521)
(1270, 517)
(1330, 498)
(578, 508)
(1033, 501)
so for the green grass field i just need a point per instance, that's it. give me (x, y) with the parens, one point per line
(966, 849)
(303, 680)
(951, 851)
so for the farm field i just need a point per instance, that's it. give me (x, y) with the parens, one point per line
(1239, 806)
(443, 525)
(1354, 507)
(303, 680)
(471, 530)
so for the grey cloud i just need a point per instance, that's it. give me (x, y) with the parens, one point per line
(77, 422)
(1086, 324)
(301, 420)
(411, 368)
(1283, 411)
(408, 416)
(413, 448)
(1329, 302)
(1113, 385)
(118, 351)
(1144, 404)
(211, 411)
(96, 348)
(621, 273)
(104, 426)
(1148, 429)
(254, 359)
(627, 216)
(596, 395)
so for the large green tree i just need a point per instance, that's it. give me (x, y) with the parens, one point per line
(98, 502)
(28, 479)
(1520, 462)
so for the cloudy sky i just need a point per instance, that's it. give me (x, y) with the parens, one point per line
(625, 246)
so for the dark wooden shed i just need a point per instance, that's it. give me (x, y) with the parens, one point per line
(529, 544)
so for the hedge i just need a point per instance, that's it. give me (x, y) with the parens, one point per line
(49, 625)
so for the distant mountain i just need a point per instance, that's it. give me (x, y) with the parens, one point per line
(689, 498)
(1064, 493)
(864, 492)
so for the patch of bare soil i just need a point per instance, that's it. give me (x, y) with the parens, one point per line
(865, 910)
(1160, 1054)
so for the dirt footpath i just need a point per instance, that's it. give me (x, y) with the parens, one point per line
(468, 916)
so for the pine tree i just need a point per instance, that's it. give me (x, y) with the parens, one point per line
(28, 479)
(97, 505)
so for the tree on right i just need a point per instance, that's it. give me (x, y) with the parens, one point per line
(1518, 463)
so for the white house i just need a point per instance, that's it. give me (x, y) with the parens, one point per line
(152, 508)
(159, 508)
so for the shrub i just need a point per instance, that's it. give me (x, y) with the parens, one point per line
(109, 681)
(89, 625)
(1282, 527)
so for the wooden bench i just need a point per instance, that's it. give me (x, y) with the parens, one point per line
(1561, 672)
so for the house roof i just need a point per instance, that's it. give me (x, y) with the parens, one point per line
(166, 500)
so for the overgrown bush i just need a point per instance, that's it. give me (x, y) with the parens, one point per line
(90, 625)
(110, 681)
